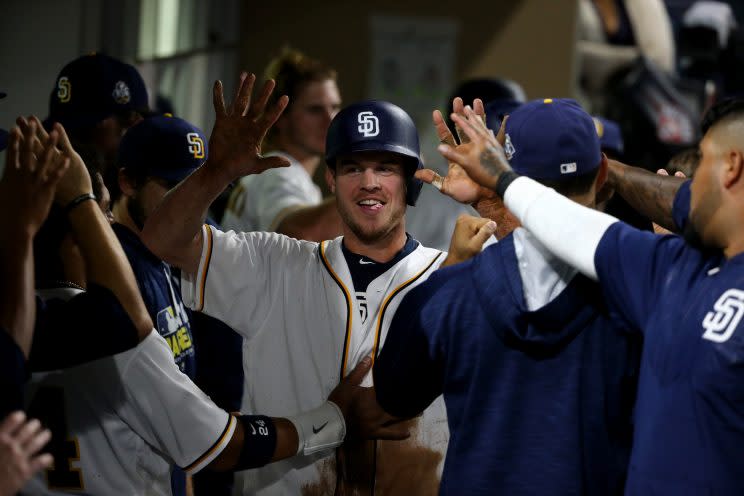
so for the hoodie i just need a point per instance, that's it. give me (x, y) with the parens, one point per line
(539, 400)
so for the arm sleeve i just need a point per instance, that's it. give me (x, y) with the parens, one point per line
(169, 412)
(681, 206)
(12, 374)
(279, 192)
(409, 372)
(629, 263)
(88, 326)
(241, 276)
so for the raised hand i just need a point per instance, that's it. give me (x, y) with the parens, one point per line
(32, 172)
(484, 161)
(456, 184)
(240, 128)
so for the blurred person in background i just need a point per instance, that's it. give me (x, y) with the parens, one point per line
(286, 200)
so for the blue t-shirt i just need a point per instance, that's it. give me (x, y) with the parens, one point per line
(689, 436)
(538, 402)
(161, 292)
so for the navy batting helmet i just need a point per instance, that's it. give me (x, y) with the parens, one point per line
(374, 125)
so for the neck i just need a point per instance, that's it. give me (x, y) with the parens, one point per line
(306, 158)
(121, 215)
(381, 250)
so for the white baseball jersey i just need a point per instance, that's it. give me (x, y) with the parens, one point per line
(260, 202)
(295, 304)
(120, 423)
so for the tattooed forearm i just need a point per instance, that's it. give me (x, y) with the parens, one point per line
(494, 161)
(650, 194)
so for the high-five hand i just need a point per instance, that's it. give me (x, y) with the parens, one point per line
(456, 184)
(485, 160)
(240, 128)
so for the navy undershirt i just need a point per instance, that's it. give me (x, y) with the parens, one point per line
(364, 270)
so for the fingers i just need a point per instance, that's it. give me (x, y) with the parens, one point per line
(259, 105)
(680, 174)
(479, 109)
(47, 160)
(12, 422)
(63, 140)
(41, 462)
(458, 108)
(464, 126)
(485, 231)
(662, 172)
(218, 99)
(270, 117)
(501, 136)
(443, 132)
(452, 155)
(37, 442)
(243, 97)
(356, 376)
(28, 159)
(427, 175)
(12, 155)
(25, 434)
(40, 131)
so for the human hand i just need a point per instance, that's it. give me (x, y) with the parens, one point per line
(76, 180)
(240, 128)
(484, 161)
(468, 238)
(32, 171)
(20, 443)
(657, 228)
(456, 184)
(364, 417)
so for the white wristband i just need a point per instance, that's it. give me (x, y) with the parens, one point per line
(319, 429)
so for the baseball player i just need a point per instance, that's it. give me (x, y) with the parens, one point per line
(685, 297)
(310, 311)
(534, 371)
(286, 200)
(121, 422)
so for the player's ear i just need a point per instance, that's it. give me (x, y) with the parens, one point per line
(126, 184)
(330, 177)
(733, 167)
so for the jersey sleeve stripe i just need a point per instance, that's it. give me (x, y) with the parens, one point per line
(347, 295)
(215, 449)
(205, 267)
(389, 298)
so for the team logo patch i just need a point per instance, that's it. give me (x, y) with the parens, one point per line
(509, 149)
(196, 145)
(64, 89)
(598, 126)
(727, 312)
(369, 124)
(121, 93)
(568, 168)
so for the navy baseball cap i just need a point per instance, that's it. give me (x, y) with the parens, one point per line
(552, 139)
(93, 87)
(163, 146)
(610, 136)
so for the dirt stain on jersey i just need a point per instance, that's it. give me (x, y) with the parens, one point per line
(327, 483)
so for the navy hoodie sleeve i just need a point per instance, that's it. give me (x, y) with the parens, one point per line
(409, 373)
(681, 206)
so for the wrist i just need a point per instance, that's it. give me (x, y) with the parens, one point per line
(320, 429)
(215, 175)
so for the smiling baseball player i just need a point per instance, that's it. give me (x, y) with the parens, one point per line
(310, 311)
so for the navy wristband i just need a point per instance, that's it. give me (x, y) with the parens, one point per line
(78, 200)
(259, 441)
(504, 181)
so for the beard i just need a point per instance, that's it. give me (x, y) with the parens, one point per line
(366, 235)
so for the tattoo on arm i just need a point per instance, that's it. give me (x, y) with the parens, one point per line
(494, 161)
(650, 194)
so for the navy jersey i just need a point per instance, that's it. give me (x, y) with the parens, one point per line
(689, 437)
(161, 292)
(538, 402)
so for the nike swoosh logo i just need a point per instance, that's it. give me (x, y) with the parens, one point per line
(364, 262)
(315, 431)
